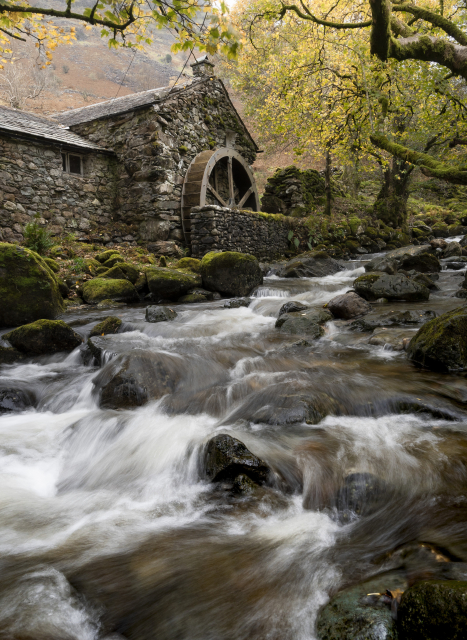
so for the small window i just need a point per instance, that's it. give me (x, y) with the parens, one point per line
(72, 163)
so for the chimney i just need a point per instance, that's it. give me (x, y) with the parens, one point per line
(203, 67)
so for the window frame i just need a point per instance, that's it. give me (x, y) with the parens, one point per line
(66, 163)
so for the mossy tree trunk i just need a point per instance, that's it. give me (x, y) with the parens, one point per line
(391, 203)
(327, 178)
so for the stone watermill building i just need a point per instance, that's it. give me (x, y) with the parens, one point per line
(141, 161)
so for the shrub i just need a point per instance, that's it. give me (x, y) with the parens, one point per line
(37, 238)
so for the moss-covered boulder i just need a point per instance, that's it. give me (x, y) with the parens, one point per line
(52, 264)
(114, 273)
(112, 261)
(105, 255)
(420, 258)
(434, 610)
(99, 289)
(92, 266)
(191, 298)
(189, 264)
(362, 612)
(441, 344)
(8, 355)
(108, 325)
(28, 287)
(123, 270)
(170, 283)
(440, 230)
(101, 270)
(44, 336)
(230, 273)
(155, 313)
(313, 264)
(373, 286)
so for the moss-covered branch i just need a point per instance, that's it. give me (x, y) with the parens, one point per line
(306, 14)
(435, 19)
(431, 49)
(429, 165)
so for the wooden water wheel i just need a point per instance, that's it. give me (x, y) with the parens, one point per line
(220, 177)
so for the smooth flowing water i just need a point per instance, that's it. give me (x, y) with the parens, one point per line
(106, 525)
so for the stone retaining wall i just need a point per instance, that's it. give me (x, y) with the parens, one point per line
(218, 228)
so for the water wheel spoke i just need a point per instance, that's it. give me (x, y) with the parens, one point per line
(216, 195)
(245, 197)
(231, 183)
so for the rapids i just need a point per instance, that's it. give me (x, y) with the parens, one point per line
(106, 526)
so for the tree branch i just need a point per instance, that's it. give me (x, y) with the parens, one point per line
(435, 19)
(307, 15)
(455, 141)
(431, 49)
(428, 165)
(381, 28)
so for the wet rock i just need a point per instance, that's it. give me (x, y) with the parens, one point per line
(395, 339)
(156, 313)
(362, 612)
(99, 289)
(391, 318)
(361, 494)
(434, 610)
(110, 304)
(197, 291)
(452, 249)
(279, 408)
(243, 485)
(8, 355)
(170, 284)
(192, 298)
(349, 305)
(420, 258)
(385, 265)
(441, 344)
(15, 396)
(44, 336)
(108, 325)
(372, 286)
(226, 458)
(236, 303)
(462, 293)
(231, 273)
(438, 243)
(315, 264)
(292, 307)
(455, 266)
(133, 379)
(423, 279)
(28, 287)
(304, 322)
(381, 301)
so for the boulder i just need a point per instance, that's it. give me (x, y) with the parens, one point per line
(420, 258)
(15, 396)
(438, 243)
(304, 322)
(198, 291)
(314, 264)
(112, 261)
(62, 287)
(134, 378)
(100, 289)
(164, 248)
(422, 278)
(362, 612)
(123, 270)
(230, 273)
(372, 286)
(236, 303)
(463, 242)
(395, 339)
(156, 313)
(28, 287)
(8, 355)
(191, 298)
(226, 458)
(392, 319)
(361, 494)
(434, 610)
(44, 336)
(105, 255)
(115, 273)
(170, 284)
(291, 307)
(189, 264)
(349, 305)
(441, 344)
(52, 264)
(108, 325)
(453, 249)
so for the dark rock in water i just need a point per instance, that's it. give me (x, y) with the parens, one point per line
(230, 273)
(304, 322)
(434, 610)
(362, 612)
(8, 355)
(390, 319)
(452, 249)
(372, 286)
(385, 265)
(421, 258)
(192, 298)
(170, 284)
(361, 494)
(455, 266)
(236, 303)
(44, 336)
(315, 264)
(134, 378)
(244, 485)
(15, 396)
(395, 339)
(462, 293)
(226, 458)
(291, 307)
(438, 243)
(422, 278)
(108, 325)
(197, 291)
(441, 344)
(349, 305)
(277, 407)
(156, 313)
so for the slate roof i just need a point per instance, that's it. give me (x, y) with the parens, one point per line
(114, 106)
(22, 124)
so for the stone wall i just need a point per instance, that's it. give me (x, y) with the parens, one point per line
(32, 181)
(217, 228)
(155, 146)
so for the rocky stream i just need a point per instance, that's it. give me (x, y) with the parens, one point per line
(349, 477)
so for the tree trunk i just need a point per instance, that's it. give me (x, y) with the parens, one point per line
(327, 178)
(391, 204)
